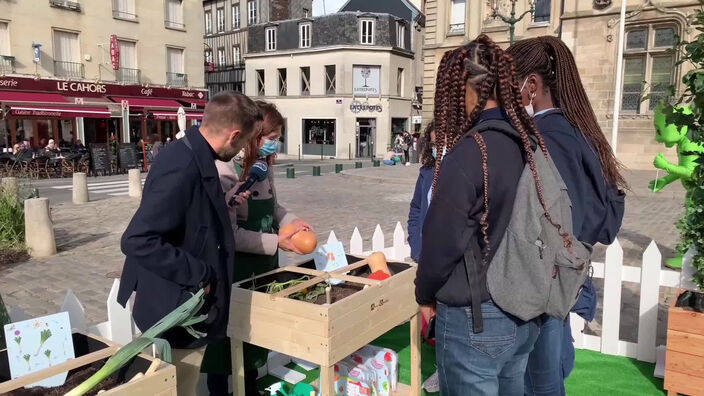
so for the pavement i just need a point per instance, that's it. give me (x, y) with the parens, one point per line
(88, 235)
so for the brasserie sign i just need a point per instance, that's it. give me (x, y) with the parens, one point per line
(357, 107)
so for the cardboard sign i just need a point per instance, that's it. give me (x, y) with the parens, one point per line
(330, 257)
(38, 343)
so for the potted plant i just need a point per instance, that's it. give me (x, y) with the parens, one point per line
(684, 372)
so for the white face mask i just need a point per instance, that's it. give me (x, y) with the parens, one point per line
(529, 107)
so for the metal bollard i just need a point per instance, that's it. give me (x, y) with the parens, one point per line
(316, 171)
(357, 165)
(338, 168)
(291, 173)
(376, 163)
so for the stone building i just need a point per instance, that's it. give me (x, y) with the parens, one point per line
(98, 70)
(590, 28)
(345, 82)
(225, 35)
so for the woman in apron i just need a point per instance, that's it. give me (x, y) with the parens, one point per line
(256, 220)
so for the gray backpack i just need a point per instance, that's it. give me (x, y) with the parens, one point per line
(532, 272)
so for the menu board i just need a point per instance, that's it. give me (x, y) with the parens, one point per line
(100, 158)
(127, 156)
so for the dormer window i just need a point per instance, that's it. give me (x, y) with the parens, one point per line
(366, 31)
(401, 35)
(304, 35)
(271, 39)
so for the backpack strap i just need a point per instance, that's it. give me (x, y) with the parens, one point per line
(472, 262)
(187, 142)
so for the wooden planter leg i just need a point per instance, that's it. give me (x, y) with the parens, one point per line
(237, 366)
(327, 380)
(416, 380)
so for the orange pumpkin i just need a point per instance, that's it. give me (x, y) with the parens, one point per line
(287, 229)
(305, 241)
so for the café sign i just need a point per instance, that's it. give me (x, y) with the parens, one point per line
(95, 90)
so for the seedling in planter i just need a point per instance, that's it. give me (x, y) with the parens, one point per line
(44, 335)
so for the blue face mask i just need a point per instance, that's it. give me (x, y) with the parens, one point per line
(268, 148)
(435, 152)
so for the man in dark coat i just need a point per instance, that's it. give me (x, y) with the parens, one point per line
(180, 239)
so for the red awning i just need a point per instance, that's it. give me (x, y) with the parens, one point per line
(58, 111)
(174, 116)
(148, 102)
(31, 97)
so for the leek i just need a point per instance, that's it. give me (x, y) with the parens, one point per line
(184, 316)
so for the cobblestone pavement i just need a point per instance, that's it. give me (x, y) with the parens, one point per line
(88, 236)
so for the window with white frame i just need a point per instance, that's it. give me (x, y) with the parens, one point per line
(305, 80)
(174, 60)
(457, 16)
(66, 47)
(222, 59)
(128, 54)
(174, 14)
(251, 12)
(123, 9)
(270, 39)
(208, 22)
(366, 31)
(542, 11)
(220, 18)
(400, 35)
(648, 66)
(306, 13)
(4, 38)
(304, 35)
(260, 83)
(208, 57)
(282, 82)
(236, 16)
(236, 55)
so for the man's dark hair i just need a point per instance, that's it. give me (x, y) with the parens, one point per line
(231, 110)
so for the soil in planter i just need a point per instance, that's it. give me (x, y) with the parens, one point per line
(337, 293)
(75, 378)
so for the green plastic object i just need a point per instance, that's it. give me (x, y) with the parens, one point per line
(316, 171)
(284, 389)
(688, 154)
(291, 173)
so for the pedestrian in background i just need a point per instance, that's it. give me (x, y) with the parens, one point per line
(553, 93)
(416, 215)
(180, 239)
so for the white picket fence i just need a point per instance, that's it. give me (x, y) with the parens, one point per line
(120, 328)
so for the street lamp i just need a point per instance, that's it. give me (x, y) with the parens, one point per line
(510, 20)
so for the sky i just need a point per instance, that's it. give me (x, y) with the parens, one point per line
(331, 6)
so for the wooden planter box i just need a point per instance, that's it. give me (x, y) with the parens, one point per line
(684, 362)
(159, 377)
(324, 333)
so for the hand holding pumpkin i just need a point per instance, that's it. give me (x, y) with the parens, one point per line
(295, 238)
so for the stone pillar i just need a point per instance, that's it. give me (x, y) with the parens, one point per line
(80, 188)
(38, 228)
(9, 185)
(135, 178)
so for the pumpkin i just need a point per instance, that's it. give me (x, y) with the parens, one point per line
(288, 229)
(305, 241)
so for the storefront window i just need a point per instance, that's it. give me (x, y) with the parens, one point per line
(319, 137)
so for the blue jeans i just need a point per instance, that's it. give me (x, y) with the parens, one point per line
(545, 372)
(489, 363)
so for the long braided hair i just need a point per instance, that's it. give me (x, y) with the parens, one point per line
(488, 70)
(550, 58)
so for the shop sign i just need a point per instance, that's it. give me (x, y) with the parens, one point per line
(417, 119)
(366, 80)
(357, 107)
(114, 52)
(95, 90)
(37, 48)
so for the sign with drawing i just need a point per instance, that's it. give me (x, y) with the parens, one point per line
(366, 80)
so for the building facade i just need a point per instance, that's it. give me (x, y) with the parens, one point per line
(344, 82)
(225, 35)
(76, 69)
(590, 28)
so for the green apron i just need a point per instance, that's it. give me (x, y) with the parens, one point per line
(260, 218)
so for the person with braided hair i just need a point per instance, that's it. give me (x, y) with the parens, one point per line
(553, 93)
(474, 189)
